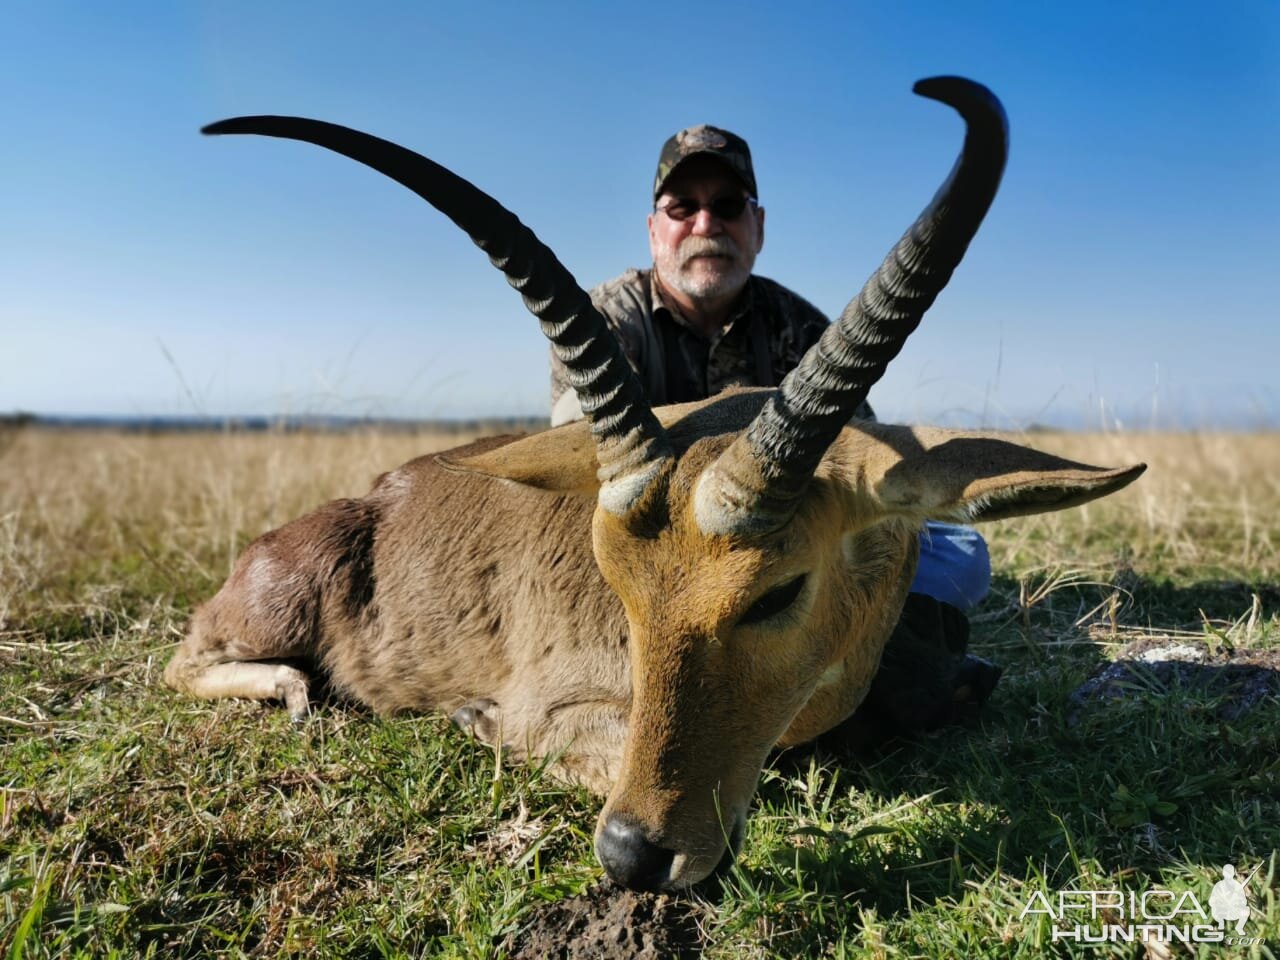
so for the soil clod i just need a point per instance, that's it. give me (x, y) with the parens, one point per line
(610, 923)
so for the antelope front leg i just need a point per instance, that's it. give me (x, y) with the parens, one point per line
(582, 739)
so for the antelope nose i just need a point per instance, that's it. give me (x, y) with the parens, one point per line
(630, 858)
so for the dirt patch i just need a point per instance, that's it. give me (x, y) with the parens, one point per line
(1155, 666)
(609, 923)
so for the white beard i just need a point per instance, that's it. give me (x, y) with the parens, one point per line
(683, 269)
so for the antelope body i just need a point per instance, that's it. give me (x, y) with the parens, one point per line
(654, 598)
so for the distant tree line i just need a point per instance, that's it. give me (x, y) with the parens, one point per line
(11, 422)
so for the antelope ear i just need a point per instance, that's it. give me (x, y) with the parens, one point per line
(946, 475)
(562, 460)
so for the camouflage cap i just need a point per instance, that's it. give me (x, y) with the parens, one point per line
(729, 148)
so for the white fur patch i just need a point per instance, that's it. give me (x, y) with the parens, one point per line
(620, 495)
(832, 675)
(717, 507)
(261, 573)
(397, 481)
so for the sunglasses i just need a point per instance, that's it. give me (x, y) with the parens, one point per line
(722, 208)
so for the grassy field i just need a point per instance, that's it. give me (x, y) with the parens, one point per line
(135, 822)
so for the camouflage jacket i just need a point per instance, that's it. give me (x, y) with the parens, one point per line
(768, 333)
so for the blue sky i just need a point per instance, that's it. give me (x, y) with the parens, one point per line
(1127, 270)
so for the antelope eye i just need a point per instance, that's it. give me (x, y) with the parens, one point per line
(774, 602)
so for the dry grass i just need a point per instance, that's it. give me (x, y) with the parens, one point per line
(1208, 507)
(75, 505)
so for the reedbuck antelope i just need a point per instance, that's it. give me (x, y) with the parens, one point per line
(654, 598)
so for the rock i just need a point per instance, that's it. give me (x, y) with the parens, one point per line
(1155, 665)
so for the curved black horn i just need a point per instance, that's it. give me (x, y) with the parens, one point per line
(757, 483)
(630, 442)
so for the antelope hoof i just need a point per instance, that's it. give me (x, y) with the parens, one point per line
(293, 691)
(480, 718)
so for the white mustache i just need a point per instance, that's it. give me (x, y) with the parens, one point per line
(721, 246)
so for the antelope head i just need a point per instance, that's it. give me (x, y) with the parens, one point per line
(761, 546)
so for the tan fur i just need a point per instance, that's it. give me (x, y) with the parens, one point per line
(487, 575)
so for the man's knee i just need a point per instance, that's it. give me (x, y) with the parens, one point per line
(566, 409)
(954, 564)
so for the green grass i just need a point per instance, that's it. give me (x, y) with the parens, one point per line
(135, 822)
